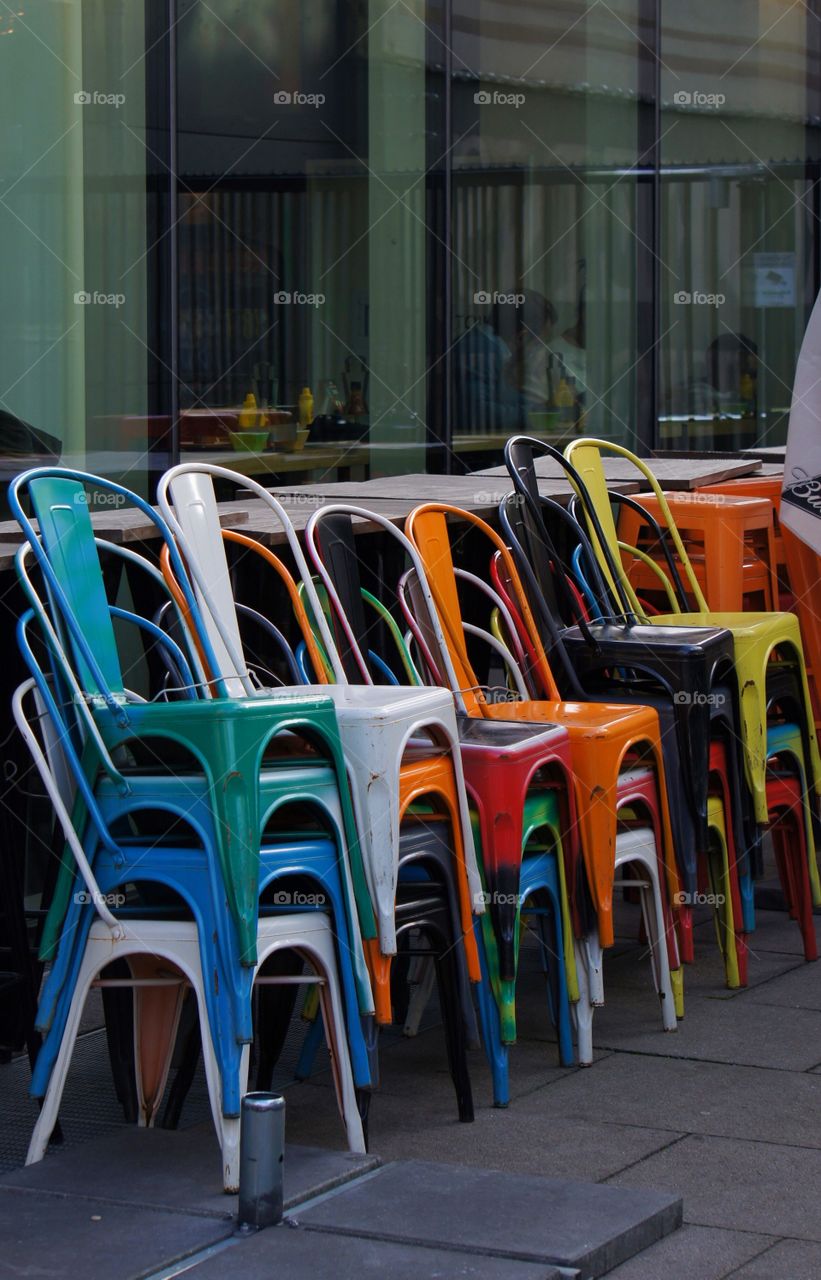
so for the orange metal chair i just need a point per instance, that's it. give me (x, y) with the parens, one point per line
(423, 772)
(602, 735)
(730, 542)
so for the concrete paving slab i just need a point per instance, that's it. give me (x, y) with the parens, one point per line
(572, 1224)
(536, 1139)
(798, 989)
(775, 931)
(307, 1255)
(58, 1236)
(533, 1063)
(787, 1260)
(179, 1170)
(629, 971)
(733, 1031)
(686, 1097)
(702, 1253)
(746, 1186)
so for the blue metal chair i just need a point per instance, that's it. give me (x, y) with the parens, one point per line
(209, 730)
(189, 869)
(68, 558)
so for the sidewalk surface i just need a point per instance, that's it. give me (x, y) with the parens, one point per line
(725, 1113)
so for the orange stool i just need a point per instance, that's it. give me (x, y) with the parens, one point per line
(760, 487)
(730, 542)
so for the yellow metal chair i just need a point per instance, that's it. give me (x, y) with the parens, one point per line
(756, 636)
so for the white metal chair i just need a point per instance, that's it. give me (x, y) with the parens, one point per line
(635, 848)
(376, 722)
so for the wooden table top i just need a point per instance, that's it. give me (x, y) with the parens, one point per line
(481, 488)
(671, 473)
(767, 453)
(129, 525)
(480, 495)
(394, 497)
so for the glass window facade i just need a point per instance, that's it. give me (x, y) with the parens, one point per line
(324, 240)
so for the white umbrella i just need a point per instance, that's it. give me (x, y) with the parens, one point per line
(801, 495)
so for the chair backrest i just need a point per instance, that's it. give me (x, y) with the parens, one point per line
(550, 626)
(585, 455)
(67, 535)
(55, 794)
(197, 513)
(332, 537)
(295, 593)
(332, 546)
(427, 529)
(68, 777)
(188, 502)
(330, 528)
(520, 455)
(68, 557)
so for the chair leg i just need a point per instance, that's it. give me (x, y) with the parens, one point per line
(118, 1010)
(791, 855)
(310, 1047)
(454, 1033)
(401, 967)
(594, 967)
(189, 1055)
(583, 1010)
(719, 876)
(658, 946)
(684, 926)
(156, 1020)
(553, 966)
(51, 1102)
(274, 1008)
(336, 1036)
(422, 981)
(495, 1051)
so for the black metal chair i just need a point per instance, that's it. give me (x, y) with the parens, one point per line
(682, 672)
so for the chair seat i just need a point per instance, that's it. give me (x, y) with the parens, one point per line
(744, 624)
(705, 635)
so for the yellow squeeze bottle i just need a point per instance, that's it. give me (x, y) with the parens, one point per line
(306, 407)
(248, 415)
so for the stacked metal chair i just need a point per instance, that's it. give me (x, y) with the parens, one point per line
(210, 765)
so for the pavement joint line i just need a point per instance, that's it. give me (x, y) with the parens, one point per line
(649, 1156)
(744, 1231)
(192, 1211)
(312, 1201)
(800, 963)
(447, 1246)
(777, 1004)
(179, 1268)
(116, 1202)
(713, 1062)
(566, 1073)
(756, 1256)
(686, 1133)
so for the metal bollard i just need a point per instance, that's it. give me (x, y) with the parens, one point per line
(261, 1160)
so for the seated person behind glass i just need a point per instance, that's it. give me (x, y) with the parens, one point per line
(728, 384)
(496, 364)
(546, 359)
(484, 400)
